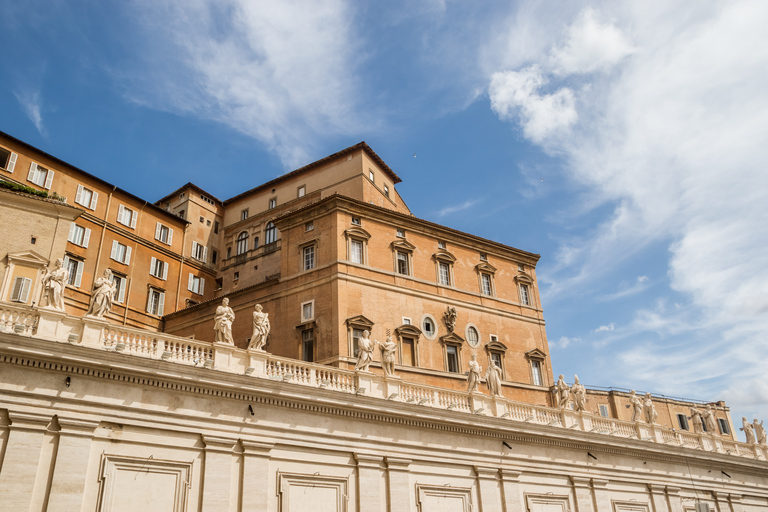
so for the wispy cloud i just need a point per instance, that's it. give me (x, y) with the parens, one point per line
(565, 342)
(605, 328)
(31, 103)
(448, 210)
(626, 290)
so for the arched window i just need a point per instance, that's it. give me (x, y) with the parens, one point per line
(242, 243)
(270, 234)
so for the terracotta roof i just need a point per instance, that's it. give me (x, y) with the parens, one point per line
(191, 185)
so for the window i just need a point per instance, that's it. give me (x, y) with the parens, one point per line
(704, 425)
(440, 245)
(356, 335)
(199, 252)
(8, 160)
(155, 302)
(270, 234)
(272, 203)
(202, 220)
(428, 326)
(452, 358)
(219, 283)
(485, 281)
(386, 190)
(236, 276)
(444, 273)
(723, 424)
(473, 338)
(483, 256)
(79, 235)
(120, 253)
(356, 251)
(75, 268)
(120, 284)
(682, 420)
(20, 290)
(180, 214)
(401, 233)
(158, 268)
(302, 191)
(207, 199)
(406, 320)
(216, 227)
(536, 373)
(126, 217)
(525, 299)
(196, 284)
(520, 267)
(244, 214)
(309, 226)
(163, 233)
(371, 176)
(40, 176)
(498, 358)
(307, 345)
(603, 411)
(402, 263)
(207, 223)
(309, 257)
(229, 252)
(242, 243)
(86, 197)
(356, 221)
(308, 311)
(407, 352)
(214, 256)
(255, 243)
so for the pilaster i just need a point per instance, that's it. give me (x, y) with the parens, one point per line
(22, 457)
(71, 468)
(255, 483)
(217, 474)
(398, 488)
(369, 479)
(602, 498)
(583, 494)
(673, 499)
(657, 498)
(488, 488)
(512, 497)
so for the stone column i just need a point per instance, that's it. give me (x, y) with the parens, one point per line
(217, 474)
(71, 469)
(735, 501)
(510, 482)
(673, 499)
(657, 498)
(369, 479)
(602, 499)
(582, 494)
(399, 488)
(488, 489)
(255, 483)
(22, 455)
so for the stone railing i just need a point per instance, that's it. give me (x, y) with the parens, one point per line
(96, 333)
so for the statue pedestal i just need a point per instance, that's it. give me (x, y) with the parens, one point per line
(257, 359)
(50, 324)
(477, 401)
(363, 382)
(93, 331)
(223, 355)
(391, 385)
(498, 407)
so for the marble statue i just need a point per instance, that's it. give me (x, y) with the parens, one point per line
(759, 432)
(493, 378)
(649, 410)
(388, 351)
(749, 430)
(637, 406)
(473, 378)
(579, 395)
(53, 285)
(261, 329)
(449, 317)
(563, 392)
(223, 322)
(103, 294)
(696, 420)
(708, 415)
(365, 352)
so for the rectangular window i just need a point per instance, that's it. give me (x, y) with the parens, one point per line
(604, 411)
(199, 252)
(216, 227)
(307, 345)
(244, 214)
(79, 235)
(356, 251)
(158, 268)
(440, 245)
(75, 268)
(8, 160)
(120, 253)
(406, 320)
(236, 276)
(483, 256)
(444, 273)
(525, 299)
(536, 373)
(120, 284)
(40, 176)
(682, 420)
(386, 190)
(401, 233)
(302, 191)
(408, 353)
(214, 256)
(309, 257)
(356, 221)
(308, 311)
(370, 175)
(255, 243)
(486, 280)
(452, 358)
(196, 284)
(202, 220)
(155, 302)
(402, 263)
(126, 217)
(356, 335)
(309, 226)
(20, 291)
(163, 233)
(86, 197)
(723, 424)
(520, 267)
(272, 203)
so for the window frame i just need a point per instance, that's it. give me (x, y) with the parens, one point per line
(79, 235)
(682, 422)
(356, 323)
(470, 327)
(412, 333)
(199, 252)
(156, 263)
(272, 203)
(10, 162)
(722, 422)
(24, 288)
(92, 200)
(536, 356)
(241, 243)
(132, 215)
(405, 248)
(163, 233)
(301, 191)
(312, 344)
(270, 230)
(196, 284)
(126, 259)
(75, 278)
(120, 282)
(523, 282)
(309, 257)
(40, 176)
(311, 304)
(435, 326)
(244, 214)
(357, 235)
(444, 260)
(155, 308)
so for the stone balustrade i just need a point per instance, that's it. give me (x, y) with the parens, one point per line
(53, 325)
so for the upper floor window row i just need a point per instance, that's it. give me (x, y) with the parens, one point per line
(8, 159)
(199, 252)
(86, 197)
(163, 233)
(127, 217)
(40, 176)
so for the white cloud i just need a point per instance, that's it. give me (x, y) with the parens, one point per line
(31, 104)
(606, 328)
(565, 342)
(453, 209)
(642, 279)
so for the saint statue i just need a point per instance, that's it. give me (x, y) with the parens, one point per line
(579, 395)
(562, 392)
(261, 329)
(223, 323)
(474, 375)
(493, 378)
(388, 350)
(759, 432)
(649, 409)
(748, 429)
(103, 294)
(54, 284)
(365, 352)
(637, 406)
(708, 415)
(696, 420)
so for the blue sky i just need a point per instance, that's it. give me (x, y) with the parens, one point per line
(624, 142)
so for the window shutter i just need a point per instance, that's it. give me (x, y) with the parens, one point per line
(48, 180)
(121, 295)
(18, 284)
(153, 266)
(205, 254)
(71, 237)
(149, 301)
(79, 276)
(120, 213)
(202, 286)
(127, 256)
(94, 200)
(158, 226)
(26, 285)
(12, 162)
(170, 236)
(133, 220)
(86, 237)
(194, 249)
(32, 172)
(79, 196)
(114, 250)
(160, 304)
(191, 282)
(165, 271)
(66, 262)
